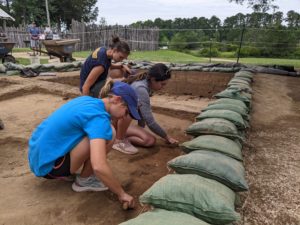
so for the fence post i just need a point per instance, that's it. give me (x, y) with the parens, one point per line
(210, 50)
(241, 41)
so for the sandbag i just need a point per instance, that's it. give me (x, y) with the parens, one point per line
(12, 72)
(238, 81)
(215, 126)
(62, 66)
(212, 165)
(164, 217)
(235, 94)
(230, 101)
(235, 108)
(232, 116)
(13, 66)
(239, 77)
(243, 73)
(47, 66)
(34, 66)
(213, 202)
(2, 68)
(240, 87)
(214, 143)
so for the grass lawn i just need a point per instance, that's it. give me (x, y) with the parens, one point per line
(179, 57)
(26, 61)
(270, 61)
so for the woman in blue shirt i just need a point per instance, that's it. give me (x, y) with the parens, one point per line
(79, 134)
(94, 71)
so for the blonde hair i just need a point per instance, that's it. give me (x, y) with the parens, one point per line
(106, 90)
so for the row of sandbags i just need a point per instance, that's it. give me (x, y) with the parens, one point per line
(205, 67)
(203, 189)
(10, 68)
(14, 69)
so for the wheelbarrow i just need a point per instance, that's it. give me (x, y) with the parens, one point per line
(5, 52)
(62, 48)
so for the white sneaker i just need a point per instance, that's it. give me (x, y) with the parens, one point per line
(88, 184)
(125, 146)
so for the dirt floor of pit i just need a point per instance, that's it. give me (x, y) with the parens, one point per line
(271, 158)
(25, 199)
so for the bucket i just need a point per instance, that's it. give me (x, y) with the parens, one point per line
(35, 59)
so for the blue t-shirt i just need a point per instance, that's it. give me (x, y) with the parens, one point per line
(64, 129)
(97, 58)
(34, 31)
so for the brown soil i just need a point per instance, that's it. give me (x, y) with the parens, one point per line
(271, 154)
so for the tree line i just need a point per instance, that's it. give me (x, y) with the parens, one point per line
(61, 11)
(265, 35)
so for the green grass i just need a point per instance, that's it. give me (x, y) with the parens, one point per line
(26, 61)
(21, 50)
(165, 56)
(82, 54)
(269, 61)
(155, 56)
(179, 57)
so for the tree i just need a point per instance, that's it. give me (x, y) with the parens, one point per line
(258, 5)
(293, 19)
(5, 5)
(61, 11)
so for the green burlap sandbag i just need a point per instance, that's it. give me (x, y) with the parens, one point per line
(242, 87)
(230, 101)
(238, 81)
(213, 165)
(204, 198)
(164, 217)
(235, 94)
(232, 116)
(215, 126)
(246, 74)
(13, 66)
(214, 143)
(12, 72)
(235, 108)
(2, 68)
(62, 66)
(238, 78)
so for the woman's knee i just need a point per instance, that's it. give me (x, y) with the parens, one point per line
(150, 141)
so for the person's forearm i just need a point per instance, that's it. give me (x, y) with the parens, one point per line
(86, 89)
(155, 128)
(106, 176)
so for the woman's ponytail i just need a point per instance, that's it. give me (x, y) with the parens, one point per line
(105, 91)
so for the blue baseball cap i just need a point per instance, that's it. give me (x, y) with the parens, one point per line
(129, 97)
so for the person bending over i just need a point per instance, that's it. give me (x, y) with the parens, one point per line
(94, 70)
(79, 135)
(144, 84)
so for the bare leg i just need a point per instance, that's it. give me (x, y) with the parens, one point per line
(122, 126)
(139, 136)
(80, 155)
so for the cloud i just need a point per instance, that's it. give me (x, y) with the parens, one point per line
(127, 12)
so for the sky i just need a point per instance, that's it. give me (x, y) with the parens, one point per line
(130, 11)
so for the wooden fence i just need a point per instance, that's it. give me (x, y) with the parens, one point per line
(94, 36)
